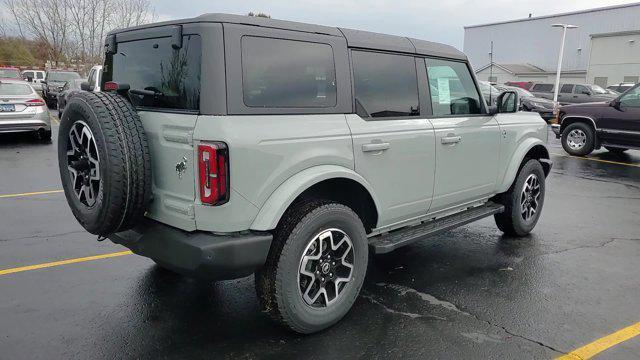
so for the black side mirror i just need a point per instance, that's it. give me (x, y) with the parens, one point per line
(508, 102)
(86, 86)
(615, 103)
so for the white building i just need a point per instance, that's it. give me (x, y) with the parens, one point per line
(605, 49)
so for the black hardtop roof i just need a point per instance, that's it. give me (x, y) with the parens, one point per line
(354, 38)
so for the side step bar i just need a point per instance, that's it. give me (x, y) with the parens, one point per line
(388, 242)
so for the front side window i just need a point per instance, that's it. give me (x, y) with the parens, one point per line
(40, 75)
(279, 73)
(566, 89)
(582, 90)
(385, 85)
(159, 76)
(631, 98)
(453, 91)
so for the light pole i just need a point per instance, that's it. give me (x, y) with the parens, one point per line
(564, 35)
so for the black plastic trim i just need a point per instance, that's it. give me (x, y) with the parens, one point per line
(197, 254)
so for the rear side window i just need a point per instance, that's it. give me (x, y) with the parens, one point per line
(15, 89)
(453, 91)
(385, 85)
(170, 78)
(542, 88)
(566, 89)
(279, 73)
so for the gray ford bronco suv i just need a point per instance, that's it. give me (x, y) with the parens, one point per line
(223, 146)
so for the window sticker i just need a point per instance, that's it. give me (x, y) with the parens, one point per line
(444, 94)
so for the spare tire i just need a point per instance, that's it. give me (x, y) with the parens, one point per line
(104, 162)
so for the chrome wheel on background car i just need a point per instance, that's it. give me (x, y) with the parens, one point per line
(326, 268)
(530, 197)
(576, 139)
(83, 163)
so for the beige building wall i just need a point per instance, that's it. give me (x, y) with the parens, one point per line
(614, 58)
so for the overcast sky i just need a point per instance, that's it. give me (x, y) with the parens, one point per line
(440, 21)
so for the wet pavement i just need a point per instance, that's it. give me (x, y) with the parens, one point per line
(470, 294)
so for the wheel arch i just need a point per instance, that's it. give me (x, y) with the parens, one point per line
(329, 182)
(571, 119)
(531, 148)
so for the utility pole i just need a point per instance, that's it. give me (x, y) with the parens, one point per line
(560, 56)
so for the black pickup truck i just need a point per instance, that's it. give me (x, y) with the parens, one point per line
(613, 124)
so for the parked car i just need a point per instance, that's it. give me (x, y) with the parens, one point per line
(8, 72)
(279, 164)
(35, 78)
(67, 91)
(489, 92)
(614, 125)
(23, 110)
(94, 81)
(54, 82)
(621, 87)
(582, 93)
(529, 102)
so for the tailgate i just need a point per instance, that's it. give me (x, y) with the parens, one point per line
(171, 149)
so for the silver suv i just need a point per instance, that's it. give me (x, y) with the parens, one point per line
(223, 146)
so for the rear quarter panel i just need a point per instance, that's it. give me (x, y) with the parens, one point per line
(265, 151)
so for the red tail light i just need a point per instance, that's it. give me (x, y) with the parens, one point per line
(35, 102)
(110, 86)
(213, 165)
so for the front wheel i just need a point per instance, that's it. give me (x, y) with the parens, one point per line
(315, 268)
(523, 201)
(578, 139)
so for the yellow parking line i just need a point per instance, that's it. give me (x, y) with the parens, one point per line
(31, 193)
(598, 160)
(63, 262)
(55, 119)
(590, 350)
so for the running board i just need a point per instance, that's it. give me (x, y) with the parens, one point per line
(388, 242)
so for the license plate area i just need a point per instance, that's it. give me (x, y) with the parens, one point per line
(7, 108)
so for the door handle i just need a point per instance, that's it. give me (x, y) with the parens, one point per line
(451, 140)
(376, 146)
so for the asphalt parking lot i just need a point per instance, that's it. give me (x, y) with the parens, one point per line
(469, 293)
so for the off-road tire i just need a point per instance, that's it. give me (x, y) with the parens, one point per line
(125, 166)
(277, 282)
(590, 139)
(615, 150)
(511, 221)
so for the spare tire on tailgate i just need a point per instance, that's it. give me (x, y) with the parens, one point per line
(104, 162)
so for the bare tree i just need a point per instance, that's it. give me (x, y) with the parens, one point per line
(46, 20)
(259, 14)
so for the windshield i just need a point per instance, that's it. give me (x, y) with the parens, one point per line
(62, 76)
(597, 89)
(14, 89)
(10, 74)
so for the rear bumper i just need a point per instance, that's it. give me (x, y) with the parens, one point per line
(198, 254)
(16, 125)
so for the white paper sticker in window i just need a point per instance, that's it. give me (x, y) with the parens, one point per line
(444, 95)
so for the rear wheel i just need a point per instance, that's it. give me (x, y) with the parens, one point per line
(315, 268)
(523, 201)
(615, 150)
(578, 139)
